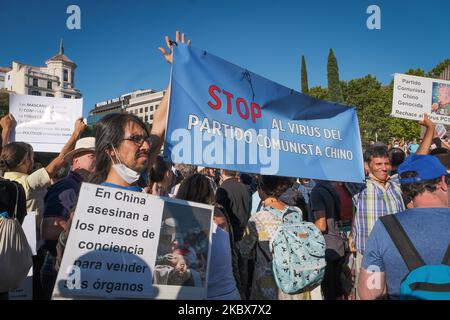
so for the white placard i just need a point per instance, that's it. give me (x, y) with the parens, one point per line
(29, 228)
(44, 122)
(413, 96)
(441, 131)
(114, 240)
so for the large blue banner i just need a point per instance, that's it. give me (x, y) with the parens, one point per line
(224, 116)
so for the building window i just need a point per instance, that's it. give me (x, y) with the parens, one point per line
(72, 78)
(146, 109)
(67, 96)
(35, 82)
(49, 95)
(151, 117)
(146, 118)
(49, 84)
(141, 110)
(9, 77)
(35, 93)
(151, 108)
(65, 75)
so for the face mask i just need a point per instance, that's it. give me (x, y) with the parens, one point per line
(127, 174)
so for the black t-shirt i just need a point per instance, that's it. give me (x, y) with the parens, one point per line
(325, 198)
(235, 198)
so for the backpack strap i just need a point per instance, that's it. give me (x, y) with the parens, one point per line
(17, 200)
(263, 251)
(409, 253)
(260, 204)
(446, 259)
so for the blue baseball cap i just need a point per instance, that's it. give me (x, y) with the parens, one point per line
(426, 167)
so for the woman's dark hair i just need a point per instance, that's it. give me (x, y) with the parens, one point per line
(110, 132)
(13, 154)
(158, 169)
(274, 186)
(396, 157)
(196, 188)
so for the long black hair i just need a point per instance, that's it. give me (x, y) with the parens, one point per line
(110, 132)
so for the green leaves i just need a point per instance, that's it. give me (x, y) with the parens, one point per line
(334, 88)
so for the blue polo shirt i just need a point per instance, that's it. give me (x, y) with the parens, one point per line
(428, 229)
(60, 200)
(129, 188)
(62, 197)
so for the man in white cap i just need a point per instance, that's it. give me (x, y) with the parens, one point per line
(60, 200)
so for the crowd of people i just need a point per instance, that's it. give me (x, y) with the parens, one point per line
(409, 183)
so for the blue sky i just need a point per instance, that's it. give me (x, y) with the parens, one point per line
(116, 48)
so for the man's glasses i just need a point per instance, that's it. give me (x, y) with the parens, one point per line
(138, 139)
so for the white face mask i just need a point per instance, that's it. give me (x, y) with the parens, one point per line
(127, 174)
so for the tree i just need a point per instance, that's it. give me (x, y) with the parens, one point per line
(318, 92)
(304, 84)
(436, 71)
(334, 88)
(4, 103)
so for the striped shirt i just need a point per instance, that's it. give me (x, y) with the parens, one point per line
(371, 203)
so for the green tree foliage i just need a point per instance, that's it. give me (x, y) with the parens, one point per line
(304, 73)
(89, 131)
(416, 72)
(334, 88)
(4, 103)
(373, 103)
(436, 71)
(318, 92)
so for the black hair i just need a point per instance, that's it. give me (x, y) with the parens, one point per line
(412, 190)
(158, 169)
(274, 186)
(444, 158)
(437, 151)
(109, 133)
(375, 152)
(396, 157)
(197, 188)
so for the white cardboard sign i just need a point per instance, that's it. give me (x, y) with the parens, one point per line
(44, 122)
(413, 96)
(115, 243)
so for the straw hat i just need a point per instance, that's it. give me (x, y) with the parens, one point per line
(82, 145)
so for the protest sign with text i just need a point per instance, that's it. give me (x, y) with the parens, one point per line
(116, 239)
(224, 116)
(44, 122)
(413, 96)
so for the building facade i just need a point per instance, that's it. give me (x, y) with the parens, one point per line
(3, 72)
(141, 103)
(57, 79)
